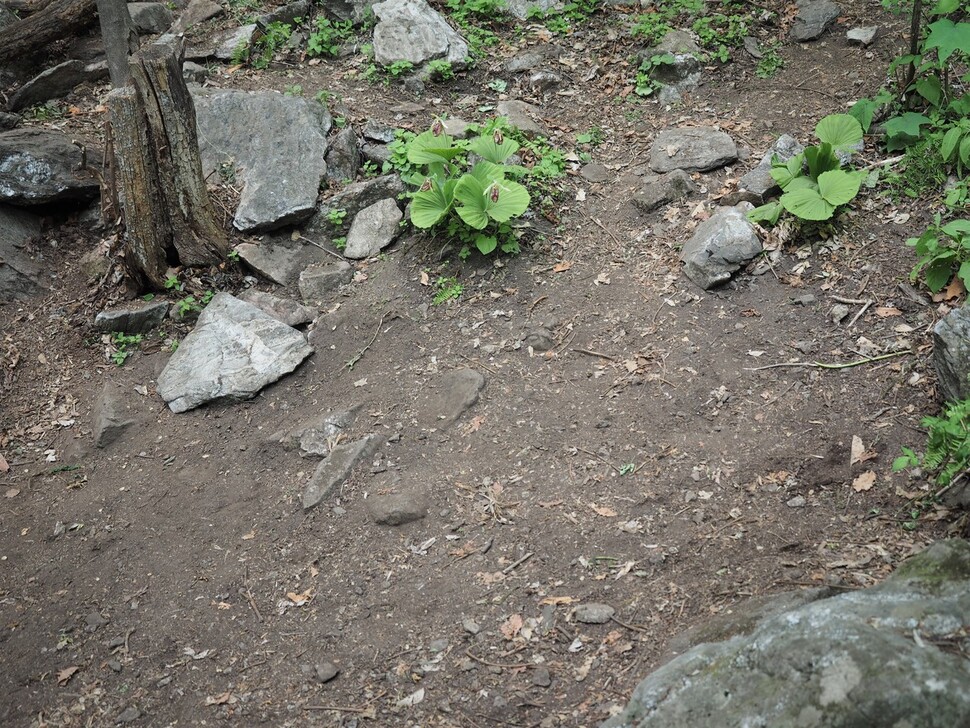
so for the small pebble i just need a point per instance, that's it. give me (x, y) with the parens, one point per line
(438, 646)
(114, 665)
(470, 626)
(327, 671)
(797, 502)
(594, 613)
(541, 677)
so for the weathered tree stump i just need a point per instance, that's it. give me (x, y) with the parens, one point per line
(57, 20)
(165, 206)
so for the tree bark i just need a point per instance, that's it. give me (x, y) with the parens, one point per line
(59, 19)
(156, 151)
(120, 39)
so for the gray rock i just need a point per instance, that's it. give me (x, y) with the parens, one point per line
(94, 621)
(683, 73)
(543, 82)
(594, 613)
(198, 11)
(863, 36)
(396, 508)
(658, 191)
(375, 153)
(56, 82)
(150, 18)
(7, 17)
(39, 166)
(459, 390)
(693, 149)
(113, 413)
(373, 229)
(234, 351)
(287, 13)
(278, 145)
(833, 662)
(354, 198)
(343, 157)
(316, 436)
(814, 18)
(326, 671)
(336, 468)
(129, 715)
(525, 61)
(8, 121)
(758, 182)
(522, 116)
(378, 131)
(541, 677)
(951, 354)
(354, 10)
(457, 128)
(595, 172)
(318, 281)
(797, 502)
(410, 30)
(470, 626)
(225, 44)
(281, 261)
(286, 310)
(137, 317)
(838, 312)
(520, 8)
(19, 270)
(194, 73)
(719, 247)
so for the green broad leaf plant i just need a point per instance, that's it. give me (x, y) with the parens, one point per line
(467, 188)
(813, 183)
(943, 250)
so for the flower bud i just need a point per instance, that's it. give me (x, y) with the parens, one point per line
(494, 193)
(427, 185)
(437, 128)
(497, 137)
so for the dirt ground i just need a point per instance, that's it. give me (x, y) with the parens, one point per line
(652, 459)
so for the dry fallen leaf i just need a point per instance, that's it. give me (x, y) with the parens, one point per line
(12, 492)
(220, 699)
(511, 626)
(864, 481)
(857, 449)
(64, 676)
(249, 536)
(413, 699)
(887, 311)
(299, 599)
(425, 279)
(3, 465)
(561, 267)
(604, 511)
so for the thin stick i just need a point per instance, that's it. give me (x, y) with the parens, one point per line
(631, 627)
(338, 256)
(338, 708)
(513, 666)
(850, 301)
(598, 457)
(360, 354)
(822, 365)
(606, 230)
(516, 564)
(478, 363)
(252, 603)
(859, 315)
(590, 352)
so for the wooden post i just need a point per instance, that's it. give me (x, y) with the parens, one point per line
(167, 213)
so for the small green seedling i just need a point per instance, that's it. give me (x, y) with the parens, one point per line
(447, 289)
(121, 341)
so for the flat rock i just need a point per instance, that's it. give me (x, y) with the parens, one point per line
(832, 662)
(137, 317)
(197, 11)
(276, 143)
(378, 131)
(683, 73)
(336, 468)
(193, 72)
(39, 166)
(286, 13)
(863, 36)
(594, 613)
(354, 198)
(814, 18)
(354, 10)
(410, 30)
(56, 82)
(693, 149)
(8, 120)
(373, 229)
(951, 354)
(659, 190)
(720, 246)
(343, 157)
(290, 312)
(326, 671)
(233, 352)
(396, 508)
(281, 261)
(113, 413)
(315, 437)
(522, 116)
(458, 390)
(521, 8)
(595, 172)
(150, 18)
(759, 183)
(19, 270)
(318, 281)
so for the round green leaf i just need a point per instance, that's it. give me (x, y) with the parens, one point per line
(807, 204)
(470, 193)
(840, 130)
(486, 148)
(513, 200)
(429, 206)
(486, 243)
(838, 187)
(426, 148)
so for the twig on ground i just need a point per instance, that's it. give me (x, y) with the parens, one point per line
(606, 230)
(859, 315)
(823, 365)
(598, 457)
(252, 602)
(324, 249)
(513, 666)
(360, 354)
(631, 627)
(590, 352)
(516, 564)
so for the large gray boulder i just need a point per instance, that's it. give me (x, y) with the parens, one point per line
(951, 354)
(877, 657)
(233, 352)
(814, 18)
(274, 144)
(373, 229)
(19, 271)
(410, 30)
(720, 246)
(39, 166)
(150, 17)
(692, 149)
(683, 73)
(56, 82)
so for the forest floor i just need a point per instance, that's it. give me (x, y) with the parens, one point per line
(651, 460)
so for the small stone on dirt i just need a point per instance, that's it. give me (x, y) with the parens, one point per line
(541, 677)
(373, 229)
(863, 36)
(94, 621)
(439, 645)
(326, 671)
(138, 317)
(318, 281)
(396, 509)
(129, 715)
(594, 613)
(693, 149)
(595, 172)
(814, 18)
(797, 502)
(471, 626)
(336, 468)
(458, 391)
